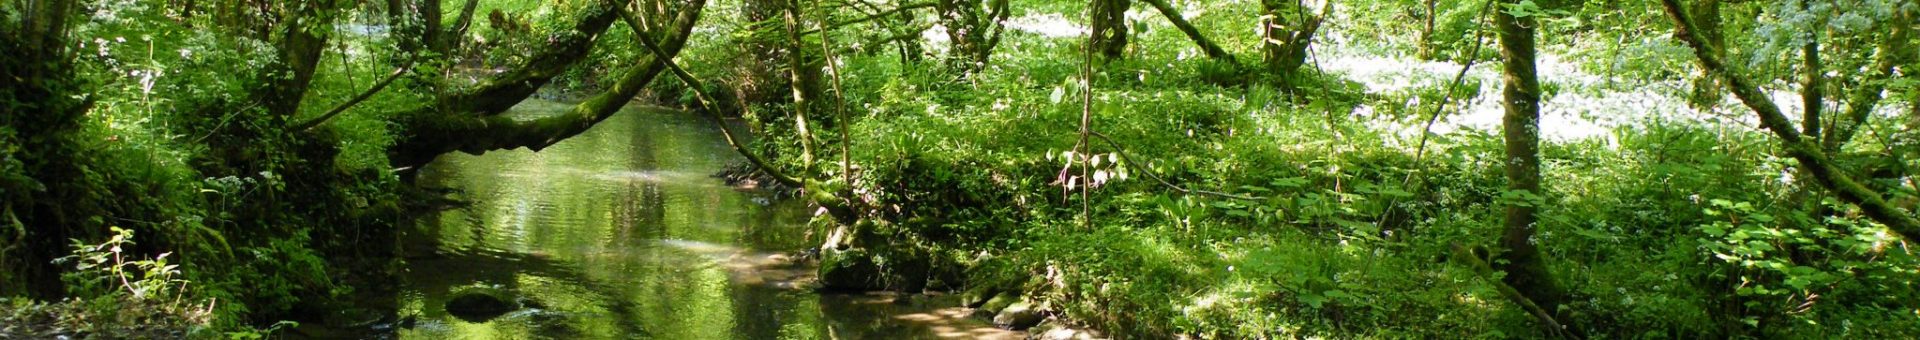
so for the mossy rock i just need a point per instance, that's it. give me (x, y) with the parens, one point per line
(1000, 301)
(480, 304)
(850, 270)
(977, 296)
(1019, 316)
(907, 271)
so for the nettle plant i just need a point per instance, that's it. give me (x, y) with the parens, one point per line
(106, 269)
(1785, 266)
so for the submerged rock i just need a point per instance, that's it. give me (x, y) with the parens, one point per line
(1019, 316)
(353, 318)
(479, 305)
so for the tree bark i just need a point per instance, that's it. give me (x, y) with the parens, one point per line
(1706, 89)
(501, 92)
(1525, 266)
(299, 49)
(1803, 149)
(1179, 21)
(1109, 27)
(1431, 17)
(973, 34)
(760, 79)
(456, 35)
(1287, 29)
(1812, 87)
(804, 83)
(431, 131)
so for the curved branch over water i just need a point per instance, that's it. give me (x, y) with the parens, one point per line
(431, 132)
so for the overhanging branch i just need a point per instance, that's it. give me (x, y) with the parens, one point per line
(363, 96)
(705, 106)
(1807, 151)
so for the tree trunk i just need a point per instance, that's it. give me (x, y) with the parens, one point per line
(972, 33)
(299, 49)
(1706, 89)
(1287, 28)
(804, 80)
(431, 131)
(1431, 16)
(1110, 27)
(760, 79)
(416, 24)
(501, 92)
(1806, 150)
(1526, 268)
(456, 35)
(41, 109)
(1206, 45)
(1813, 97)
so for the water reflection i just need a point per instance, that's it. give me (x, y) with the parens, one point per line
(619, 233)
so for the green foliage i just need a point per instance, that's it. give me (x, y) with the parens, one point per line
(102, 269)
(130, 297)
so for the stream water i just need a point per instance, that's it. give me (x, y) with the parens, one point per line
(621, 233)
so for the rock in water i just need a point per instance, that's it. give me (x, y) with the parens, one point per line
(478, 306)
(850, 270)
(976, 296)
(1019, 316)
(1000, 301)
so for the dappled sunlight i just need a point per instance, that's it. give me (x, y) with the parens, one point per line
(957, 323)
(1049, 25)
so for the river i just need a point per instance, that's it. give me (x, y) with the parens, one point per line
(621, 233)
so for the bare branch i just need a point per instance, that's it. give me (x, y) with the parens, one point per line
(363, 96)
(706, 105)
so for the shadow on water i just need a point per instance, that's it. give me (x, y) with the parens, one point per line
(620, 233)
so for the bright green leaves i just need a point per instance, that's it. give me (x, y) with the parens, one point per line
(1782, 259)
(1521, 198)
(110, 268)
(1101, 169)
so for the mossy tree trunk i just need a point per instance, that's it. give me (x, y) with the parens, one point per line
(1109, 27)
(1429, 18)
(1521, 257)
(1706, 90)
(1193, 33)
(431, 131)
(43, 187)
(300, 40)
(1286, 30)
(1807, 150)
(973, 29)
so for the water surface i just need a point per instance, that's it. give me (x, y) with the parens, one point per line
(620, 233)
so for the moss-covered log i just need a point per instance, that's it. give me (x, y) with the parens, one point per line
(496, 95)
(431, 131)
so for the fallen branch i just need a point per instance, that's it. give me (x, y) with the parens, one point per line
(1480, 268)
(363, 96)
(1206, 45)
